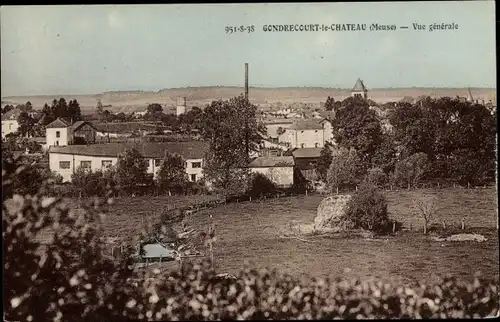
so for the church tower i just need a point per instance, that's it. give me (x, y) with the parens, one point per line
(359, 90)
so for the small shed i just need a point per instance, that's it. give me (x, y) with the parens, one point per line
(157, 252)
(278, 169)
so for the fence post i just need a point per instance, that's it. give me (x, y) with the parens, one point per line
(444, 224)
(463, 224)
(306, 192)
(411, 226)
(250, 198)
(393, 226)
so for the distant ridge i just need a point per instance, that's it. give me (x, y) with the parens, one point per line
(137, 100)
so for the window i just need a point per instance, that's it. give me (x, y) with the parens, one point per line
(85, 164)
(58, 134)
(302, 145)
(316, 131)
(57, 142)
(10, 126)
(106, 164)
(64, 164)
(193, 177)
(196, 164)
(158, 162)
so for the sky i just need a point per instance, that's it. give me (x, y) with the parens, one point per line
(94, 49)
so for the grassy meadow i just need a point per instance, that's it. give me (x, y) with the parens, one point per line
(250, 231)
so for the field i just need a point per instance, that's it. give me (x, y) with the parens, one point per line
(250, 232)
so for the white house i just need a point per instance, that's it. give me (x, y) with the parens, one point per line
(278, 169)
(273, 126)
(66, 159)
(310, 133)
(9, 122)
(62, 132)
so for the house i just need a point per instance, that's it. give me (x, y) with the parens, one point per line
(278, 169)
(309, 133)
(305, 159)
(9, 119)
(275, 126)
(9, 122)
(62, 132)
(359, 90)
(66, 159)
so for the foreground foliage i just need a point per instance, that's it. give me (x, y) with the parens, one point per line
(70, 280)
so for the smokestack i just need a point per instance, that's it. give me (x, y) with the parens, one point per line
(246, 81)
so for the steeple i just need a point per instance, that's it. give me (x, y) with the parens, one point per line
(359, 89)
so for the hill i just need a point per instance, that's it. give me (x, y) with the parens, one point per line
(130, 101)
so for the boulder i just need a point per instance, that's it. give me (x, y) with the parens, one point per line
(331, 214)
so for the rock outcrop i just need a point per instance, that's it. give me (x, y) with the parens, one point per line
(331, 214)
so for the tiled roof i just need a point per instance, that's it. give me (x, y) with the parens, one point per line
(124, 127)
(11, 115)
(278, 121)
(359, 86)
(75, 126)
(265, 162)
(306, 125)
(330, 115)
(306, 153)
(188, 150)
(58, 123)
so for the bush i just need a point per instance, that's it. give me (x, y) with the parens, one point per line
(367, 209)
(261, 185)
(92, 183)
(376, 177)
(410, 171)
(69, 279)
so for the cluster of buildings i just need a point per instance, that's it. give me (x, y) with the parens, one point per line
(73, 145)
(292, 145)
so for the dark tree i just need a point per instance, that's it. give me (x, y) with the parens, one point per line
(7, 108)
(74, 110)
(325, 159)
(329, 104)
(26, 124)
(357, 126)
(231, 128)
(131, 170)
(172, 175)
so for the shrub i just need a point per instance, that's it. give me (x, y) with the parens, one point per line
(172, 176)
(91, 183)
(259, 185)
(345, 170)
(368, 209)
(131, 171)
(69, 279)
(411, 170)
(66, 278)
(376, 177)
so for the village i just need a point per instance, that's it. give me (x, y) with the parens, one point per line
(287, 153)
(223, 162)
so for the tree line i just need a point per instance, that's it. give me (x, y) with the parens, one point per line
(432, 140)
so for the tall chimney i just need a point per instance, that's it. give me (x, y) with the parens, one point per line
(246, 81)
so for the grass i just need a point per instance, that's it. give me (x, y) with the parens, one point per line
(127, 216)
(250, 232)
